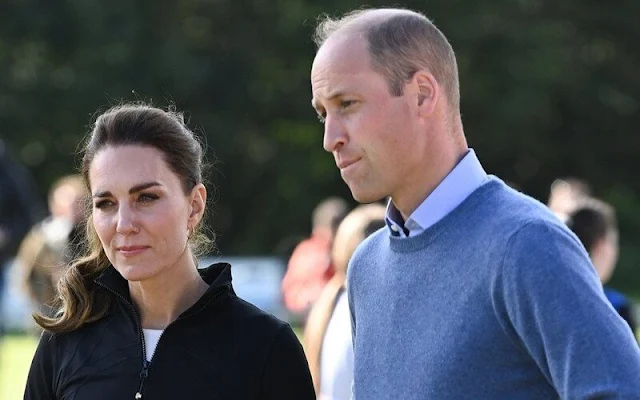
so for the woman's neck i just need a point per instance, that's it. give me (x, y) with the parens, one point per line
(161, 299)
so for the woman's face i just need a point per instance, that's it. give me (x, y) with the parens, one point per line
(140, 211)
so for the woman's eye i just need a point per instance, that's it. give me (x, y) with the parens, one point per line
(321, 118)
(103, 204)
(147, 198)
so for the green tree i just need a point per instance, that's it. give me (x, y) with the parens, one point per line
(548, 89)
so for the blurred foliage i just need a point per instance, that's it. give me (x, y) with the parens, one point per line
(548, 89)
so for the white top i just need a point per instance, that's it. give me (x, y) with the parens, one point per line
(151, 338)
(336, 356)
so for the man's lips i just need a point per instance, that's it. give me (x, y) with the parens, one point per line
(342, 164)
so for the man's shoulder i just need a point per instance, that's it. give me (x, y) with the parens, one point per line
(375, 241)
(369, 251)
(512, 211)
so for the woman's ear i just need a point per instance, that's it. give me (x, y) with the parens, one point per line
(198, 202)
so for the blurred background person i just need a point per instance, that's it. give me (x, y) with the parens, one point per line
(52, 243)
(20, 209)
(327, 336)
(310, 266)
(595, 224)
(565, 194)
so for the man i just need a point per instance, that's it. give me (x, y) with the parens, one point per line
(475, 290)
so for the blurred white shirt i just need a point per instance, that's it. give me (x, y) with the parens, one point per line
(336, 356)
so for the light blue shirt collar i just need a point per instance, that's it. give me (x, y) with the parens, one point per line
(466, 177)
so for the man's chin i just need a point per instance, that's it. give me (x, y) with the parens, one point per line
(365, 197)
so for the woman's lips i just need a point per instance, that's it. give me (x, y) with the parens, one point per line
(132, 250)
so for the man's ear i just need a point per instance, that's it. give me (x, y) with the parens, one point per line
(427, 92)
(198, 202)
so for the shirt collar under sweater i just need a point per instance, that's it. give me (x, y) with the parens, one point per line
(422, 240)
(465, 177)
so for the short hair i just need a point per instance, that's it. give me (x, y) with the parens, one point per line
(591, 221)
(400, 42)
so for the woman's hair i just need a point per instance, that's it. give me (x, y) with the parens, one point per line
(356, 226)
(78, 302)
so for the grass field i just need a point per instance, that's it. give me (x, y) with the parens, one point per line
(16, 352)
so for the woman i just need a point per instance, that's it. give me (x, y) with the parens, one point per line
(327, 334)
(137, 319)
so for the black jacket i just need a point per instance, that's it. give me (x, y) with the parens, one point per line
(220, 348)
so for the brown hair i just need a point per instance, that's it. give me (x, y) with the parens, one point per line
(78, 302)
(592, 221)
(401, 42)
(356, 226)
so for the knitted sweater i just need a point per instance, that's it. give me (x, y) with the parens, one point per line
(498, 300)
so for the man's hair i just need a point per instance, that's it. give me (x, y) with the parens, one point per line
(591, 221)
(400, 42)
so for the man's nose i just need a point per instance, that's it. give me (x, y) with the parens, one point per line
(335, 134)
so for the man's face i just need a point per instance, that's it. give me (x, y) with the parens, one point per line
(372, 134)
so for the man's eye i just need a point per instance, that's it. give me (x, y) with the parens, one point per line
(346, 103)
(321, 118)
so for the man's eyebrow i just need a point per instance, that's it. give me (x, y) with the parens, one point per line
(334, 95)
(135, 189)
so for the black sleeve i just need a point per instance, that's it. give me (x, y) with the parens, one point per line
(627, 313)
(40, 379)
(286, 374)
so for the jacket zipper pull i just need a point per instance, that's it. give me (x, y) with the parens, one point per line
(143, 375)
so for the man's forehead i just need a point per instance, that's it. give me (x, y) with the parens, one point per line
(336, 65)
(340, 52)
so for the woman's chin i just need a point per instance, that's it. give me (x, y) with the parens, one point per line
(135, 273)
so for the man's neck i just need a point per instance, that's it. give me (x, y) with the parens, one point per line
(416, 191)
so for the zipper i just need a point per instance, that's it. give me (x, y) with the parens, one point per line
(146, 364)
(143, 375)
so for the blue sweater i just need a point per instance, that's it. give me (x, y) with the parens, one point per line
(498, 300)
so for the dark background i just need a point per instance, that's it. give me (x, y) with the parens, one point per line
(549, 89)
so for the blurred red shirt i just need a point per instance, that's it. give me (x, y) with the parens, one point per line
(308, 271)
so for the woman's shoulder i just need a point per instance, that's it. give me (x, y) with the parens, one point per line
(254, 317)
